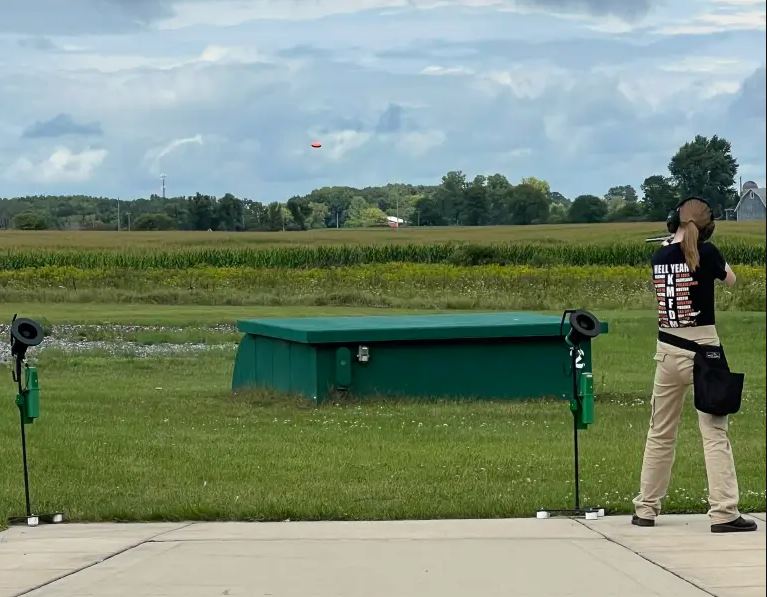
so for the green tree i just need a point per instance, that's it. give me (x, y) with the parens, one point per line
(300, 210)
(429, 212)
(230, 213)
(156, 221)
(529, 204)
(256, 215)
(449, 196)
(558, 198)
(660, 197)
(625, 192)
(499, 192)
(587, 208)
(362, 214)
(30, 220)
(705, 167)
(618, 199)
(537, 183)
(318, 215)
(275, 218)
(557, 213)
(475, 205)
(202, 212)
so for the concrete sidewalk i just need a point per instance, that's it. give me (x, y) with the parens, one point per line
(519, 557)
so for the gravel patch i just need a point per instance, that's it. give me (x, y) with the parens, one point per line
(66, 338)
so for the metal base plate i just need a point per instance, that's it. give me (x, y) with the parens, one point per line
(37, 519)
(588, 513)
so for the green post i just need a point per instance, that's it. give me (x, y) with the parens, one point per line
(29, 400)
(586, 391)
(582, 407)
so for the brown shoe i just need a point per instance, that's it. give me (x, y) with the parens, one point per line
(739, 525)
(642, 522)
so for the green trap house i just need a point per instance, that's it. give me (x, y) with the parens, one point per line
(483, 355)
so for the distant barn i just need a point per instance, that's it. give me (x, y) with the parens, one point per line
(751, 205)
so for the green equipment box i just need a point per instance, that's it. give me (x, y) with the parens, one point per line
(481, 355)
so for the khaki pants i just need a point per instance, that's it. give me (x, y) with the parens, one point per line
(673, 376)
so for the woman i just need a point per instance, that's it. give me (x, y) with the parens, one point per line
(684, 271)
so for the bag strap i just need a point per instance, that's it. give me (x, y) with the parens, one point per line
(682, 343)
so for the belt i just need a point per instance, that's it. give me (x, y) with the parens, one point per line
(682, 343)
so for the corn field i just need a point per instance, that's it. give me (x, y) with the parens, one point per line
(736, 251)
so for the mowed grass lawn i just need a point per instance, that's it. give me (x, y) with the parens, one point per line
(125, 438)
(546, 233)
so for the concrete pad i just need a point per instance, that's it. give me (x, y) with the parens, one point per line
(675, 559)
(758, 515)
(508, 528)
(729, 576)
(721, 563)
(742, 592)
(30, 557)
(523, 557)
(415, 565)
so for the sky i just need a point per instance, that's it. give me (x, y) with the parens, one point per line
(102, 97)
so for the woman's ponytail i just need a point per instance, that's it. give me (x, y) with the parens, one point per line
(690, 245)
(694, 216)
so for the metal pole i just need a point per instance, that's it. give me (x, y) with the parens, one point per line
(573, 354)
(24, 459)
(118, 214)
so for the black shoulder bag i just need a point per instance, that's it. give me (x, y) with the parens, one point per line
(717, 390)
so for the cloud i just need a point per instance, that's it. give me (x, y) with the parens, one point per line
(525, 82)
(390, 120)
(82, 17)
(407, 95)
(230, 54)
(227, 13)
(38, 42)
(435, 70)
(713, 22)
(78, 17)
(338, 144)
(740, 2)
(418, 143)
(702, 64)
(59, 126)
(751, 100)
(626, 9)
(63, 165)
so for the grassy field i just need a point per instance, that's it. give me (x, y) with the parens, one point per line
(397, 285)
(138, 422)
(127, 438)
(548, 233)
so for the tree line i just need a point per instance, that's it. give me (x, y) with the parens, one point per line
(702, 167)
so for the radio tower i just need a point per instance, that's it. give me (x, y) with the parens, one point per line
(162, 176)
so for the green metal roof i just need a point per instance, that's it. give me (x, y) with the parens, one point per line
(387, 328)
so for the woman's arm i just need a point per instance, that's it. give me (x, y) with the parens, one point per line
(730, 279)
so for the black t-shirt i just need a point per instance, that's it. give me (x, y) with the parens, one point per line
(686, 299)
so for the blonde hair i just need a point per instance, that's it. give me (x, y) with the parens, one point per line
(694, 215)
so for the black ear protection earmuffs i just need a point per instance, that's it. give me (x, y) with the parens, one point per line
(673, 219)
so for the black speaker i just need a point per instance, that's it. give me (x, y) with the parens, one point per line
(583, 325)
(24, 333)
